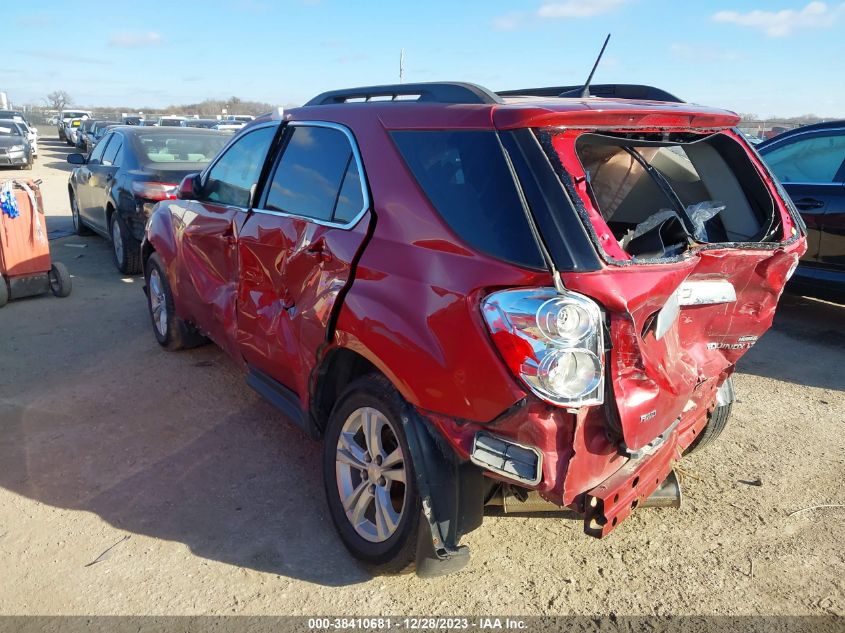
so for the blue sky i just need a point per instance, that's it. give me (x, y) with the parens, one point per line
(779, 57)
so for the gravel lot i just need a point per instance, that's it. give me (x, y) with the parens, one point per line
(216, 504)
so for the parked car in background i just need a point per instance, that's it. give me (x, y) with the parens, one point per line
(97, 131)
(16, 115)
(113, 190)
(65, 116)
(240, 118)
(72, 130)
(82, 131)
(203, 123)
(148, 122)
(132, 120)
(171, 120)
(810, 163)
(15, 149)
(473, 296)
(229, 126)
(31, 135)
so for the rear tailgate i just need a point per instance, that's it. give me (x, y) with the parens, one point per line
(658, 381)
(680, 319)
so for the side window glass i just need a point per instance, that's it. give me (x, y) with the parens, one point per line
(811, 160)
(317, 176)
(97, 153)
(114, 148)
(350, 200)
(230, 180)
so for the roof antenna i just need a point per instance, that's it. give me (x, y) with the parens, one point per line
(585, 91)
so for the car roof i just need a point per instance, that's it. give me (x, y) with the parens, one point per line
(468, 106)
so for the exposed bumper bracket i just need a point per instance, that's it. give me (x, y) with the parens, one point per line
(612, 501)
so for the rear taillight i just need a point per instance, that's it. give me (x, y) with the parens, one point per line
(553, 342)
(154, 190)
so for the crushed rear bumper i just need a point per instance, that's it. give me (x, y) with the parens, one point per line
(610, 503)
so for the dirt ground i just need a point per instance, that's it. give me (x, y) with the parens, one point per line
(214, 504)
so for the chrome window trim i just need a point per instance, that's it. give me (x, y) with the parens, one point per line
(835, 183)
(356, 153)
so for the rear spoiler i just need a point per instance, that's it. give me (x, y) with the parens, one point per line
(612, 91)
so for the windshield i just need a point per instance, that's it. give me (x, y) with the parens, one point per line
(169, 148)
(7, 128)
(74, 114)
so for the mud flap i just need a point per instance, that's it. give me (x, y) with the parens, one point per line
(452, 496)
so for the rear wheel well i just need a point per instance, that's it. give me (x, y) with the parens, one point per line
(146, 251)
(109, 214)
(340, 367)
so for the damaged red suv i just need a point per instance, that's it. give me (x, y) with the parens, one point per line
(480, 298)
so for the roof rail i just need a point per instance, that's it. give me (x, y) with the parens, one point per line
(618, 91)
(433, 92)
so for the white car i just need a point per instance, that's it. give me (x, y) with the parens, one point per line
(72, 131)
(32, 137)
(65, 116)
(171, 120)
(229, 126)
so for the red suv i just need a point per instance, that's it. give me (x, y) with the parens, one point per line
(475, 298)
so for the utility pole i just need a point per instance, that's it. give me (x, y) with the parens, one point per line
(401, 65)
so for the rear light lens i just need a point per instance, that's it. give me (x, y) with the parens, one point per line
(553, 342)
(154, 190)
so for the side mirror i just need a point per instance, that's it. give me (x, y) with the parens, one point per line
(76, 159)
(189, 188)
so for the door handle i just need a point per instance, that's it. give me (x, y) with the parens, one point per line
(805, 204)
(320, 251)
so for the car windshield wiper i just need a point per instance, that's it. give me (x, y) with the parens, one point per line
(664, 186)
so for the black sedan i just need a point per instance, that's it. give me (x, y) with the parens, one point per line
(810, 163)
(114, 188)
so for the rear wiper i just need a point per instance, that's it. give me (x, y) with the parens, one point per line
(664, 186)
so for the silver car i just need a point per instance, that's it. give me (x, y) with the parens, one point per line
(15, 150)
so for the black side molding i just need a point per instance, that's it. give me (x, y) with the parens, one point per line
(283, 399)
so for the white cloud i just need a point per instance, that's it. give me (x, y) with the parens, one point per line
(556, 10)
(783, 23)
(135, 40)
(508, 22)
(578, 8)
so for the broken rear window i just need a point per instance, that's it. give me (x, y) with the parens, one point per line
(660, 195)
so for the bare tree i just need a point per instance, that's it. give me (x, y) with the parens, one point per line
(59, 100)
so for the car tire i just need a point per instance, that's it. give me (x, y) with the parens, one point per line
(376, 515)
(60, 281)
(4, 291)
(78, 225)
(716, 423)
(171, 332)
(126, 250)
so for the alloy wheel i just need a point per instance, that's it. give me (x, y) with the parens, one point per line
(117, 240)
(371, 472)
(158, 303)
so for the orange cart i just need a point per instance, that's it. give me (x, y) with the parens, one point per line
(25, 265)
